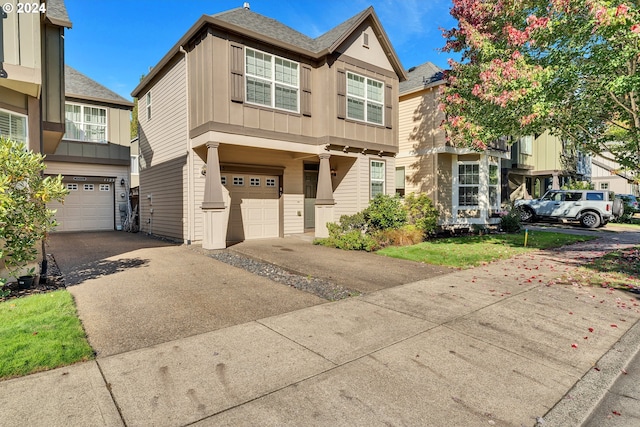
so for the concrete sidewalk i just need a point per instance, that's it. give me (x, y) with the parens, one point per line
(495, 345)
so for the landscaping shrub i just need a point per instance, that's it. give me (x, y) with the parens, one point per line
(626, 217)
(406, 235)
(510, 221)
(385, 212)
(352, 240)
(422, 213)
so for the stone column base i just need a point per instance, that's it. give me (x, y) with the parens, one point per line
(214, 229)
(324, 214)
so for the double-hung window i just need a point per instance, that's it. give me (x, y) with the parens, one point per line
(494, 186)
(365, 99)
(272, 81)
(377, 175)
(85, 123)
(13, 126)
(468, 184)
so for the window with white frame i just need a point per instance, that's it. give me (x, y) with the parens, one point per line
(88, 187)
(72, 187)
(270, 182)
(604, 186)
(85, 123)
(105, 187)
(254, 182)
(377, 175)
(365, 99)
(135, 165)
(468, 183)
(526, 145)
(223, 180)
(238, 180)
(13, 126)
(148, 100)
(271, 81)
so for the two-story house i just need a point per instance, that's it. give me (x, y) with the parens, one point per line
(463, 184)
(94, 157)
(250, 129)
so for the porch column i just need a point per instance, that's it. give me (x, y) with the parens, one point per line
(555, 181)
(324, 205)
(215, 218)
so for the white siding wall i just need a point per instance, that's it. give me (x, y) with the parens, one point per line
(293, 213)
(85, 169)
(163, 151)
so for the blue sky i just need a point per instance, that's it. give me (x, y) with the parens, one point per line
(116, 41)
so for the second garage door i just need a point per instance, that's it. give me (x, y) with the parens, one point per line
(254, 206)
(87, 207)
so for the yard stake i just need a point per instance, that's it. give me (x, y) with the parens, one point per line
(526, 236)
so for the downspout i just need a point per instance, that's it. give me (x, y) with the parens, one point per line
(45, 263)
(190, 185)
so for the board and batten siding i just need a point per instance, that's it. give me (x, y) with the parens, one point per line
(86, 169)
(163, 153)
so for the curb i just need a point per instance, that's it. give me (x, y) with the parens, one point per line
(582, 399)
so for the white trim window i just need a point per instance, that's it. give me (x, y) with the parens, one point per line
(148, 101)
(85, 123)
(377, 177)
(13, 126)
(604, 185)
(272, 81)
(365, 99)
(468, 184)
(526, 145)
(135, 165)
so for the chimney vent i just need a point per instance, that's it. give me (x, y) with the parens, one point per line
(246, 5)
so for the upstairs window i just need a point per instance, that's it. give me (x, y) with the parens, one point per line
(85, 123)
(13, 126)
(272, 81)
(365, 99)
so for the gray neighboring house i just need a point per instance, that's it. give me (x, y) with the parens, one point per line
(94, 156)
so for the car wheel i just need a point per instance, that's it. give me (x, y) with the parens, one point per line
(590, 220)
(526, 214)
(618, 207)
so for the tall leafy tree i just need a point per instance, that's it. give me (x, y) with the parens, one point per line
(567, 66)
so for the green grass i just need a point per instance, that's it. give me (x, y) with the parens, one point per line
(40, 332)
(470, 251)
(619, 269)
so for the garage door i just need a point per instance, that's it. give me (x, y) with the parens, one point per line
(254, 206)
(87, 207)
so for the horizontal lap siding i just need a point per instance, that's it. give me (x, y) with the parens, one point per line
(293, 213)
(163, 151)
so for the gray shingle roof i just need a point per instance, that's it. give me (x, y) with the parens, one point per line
(421, 76)
(77, 85)
(57, 13)
(269, 27)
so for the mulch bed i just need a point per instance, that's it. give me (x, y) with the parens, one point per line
(54, 281)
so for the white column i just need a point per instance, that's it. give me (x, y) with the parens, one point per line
(215, 218)
(324, 205)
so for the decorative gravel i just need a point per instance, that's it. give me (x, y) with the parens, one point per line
(54, 281)
(321, 287)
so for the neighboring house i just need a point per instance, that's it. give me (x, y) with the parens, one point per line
(463, 184)
(250, 129)
(607, 174)
(32, 75)
(540, 163)
(94, 157)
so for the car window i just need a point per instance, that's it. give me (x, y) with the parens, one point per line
(556, 197)
(572, 197)
(595, 196)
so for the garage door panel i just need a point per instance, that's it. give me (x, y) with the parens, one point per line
(85, 210)
(254, 210)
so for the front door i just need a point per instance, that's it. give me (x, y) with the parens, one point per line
(310, 189)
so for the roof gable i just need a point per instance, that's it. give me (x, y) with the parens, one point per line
(77, 85)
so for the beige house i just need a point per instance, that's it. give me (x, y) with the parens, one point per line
(94, 157)
(607, 174)
(465, 185)
(250, 129)
(32, 75)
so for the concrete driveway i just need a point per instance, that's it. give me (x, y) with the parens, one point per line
(133, 291)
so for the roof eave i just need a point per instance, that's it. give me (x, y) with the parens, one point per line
(423, 87)
(122, 103)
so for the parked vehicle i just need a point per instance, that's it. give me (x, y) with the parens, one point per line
(630, 200)
(593, 208)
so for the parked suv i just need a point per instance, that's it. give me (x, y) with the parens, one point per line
(592, 208)
(631, 201)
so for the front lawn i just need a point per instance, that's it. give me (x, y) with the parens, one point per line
(471, 251)
(40, 332)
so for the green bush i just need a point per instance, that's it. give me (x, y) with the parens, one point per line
(626, 217)
(422, 213)
(351, 240)
(406, 235)
(385, 212)
(24, 217)
(510, 222)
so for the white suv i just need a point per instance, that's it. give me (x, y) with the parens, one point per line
(592, 208)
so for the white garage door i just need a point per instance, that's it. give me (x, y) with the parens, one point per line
(254, 206)
(87, 207)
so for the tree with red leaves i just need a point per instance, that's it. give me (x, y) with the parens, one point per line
(566, 66)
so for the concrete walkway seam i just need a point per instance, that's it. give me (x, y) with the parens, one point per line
(580, 401)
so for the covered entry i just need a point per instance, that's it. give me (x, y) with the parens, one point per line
(254, 205)
(89, 206)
